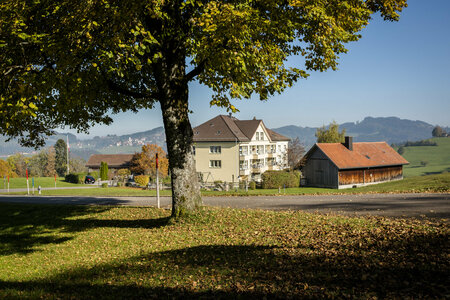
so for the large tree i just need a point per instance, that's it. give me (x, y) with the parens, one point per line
(73, 62)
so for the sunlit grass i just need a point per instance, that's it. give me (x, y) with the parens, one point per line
(85, 252)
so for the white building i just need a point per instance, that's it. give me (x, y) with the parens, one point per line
(231, 150)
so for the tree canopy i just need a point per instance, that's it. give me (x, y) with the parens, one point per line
(330, 134)
(145, 162)
(74, 62)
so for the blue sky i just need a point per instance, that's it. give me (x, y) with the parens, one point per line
(397, 69)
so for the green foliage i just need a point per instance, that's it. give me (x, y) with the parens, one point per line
(252, 185)
(104, 170)
(57, 56)
(330, 134)
(75, 178)
(141, 180)
(401, 150)
(276, 179)
(104, 185)
(420, 143)
(61, 157)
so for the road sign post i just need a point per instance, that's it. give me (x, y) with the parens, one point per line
(28, 184)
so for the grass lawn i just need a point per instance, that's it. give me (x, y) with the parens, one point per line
(437, 158)
(429, 183)
(85, 252)
(17, 183)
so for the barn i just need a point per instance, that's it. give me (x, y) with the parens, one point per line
(336, 165)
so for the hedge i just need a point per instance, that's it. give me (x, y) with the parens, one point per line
(276, 179)
(75, 177)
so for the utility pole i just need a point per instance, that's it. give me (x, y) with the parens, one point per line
(67, 154)
(157, 180)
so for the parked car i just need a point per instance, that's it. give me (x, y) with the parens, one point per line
(89, 180)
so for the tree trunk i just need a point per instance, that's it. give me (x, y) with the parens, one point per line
(186, 195)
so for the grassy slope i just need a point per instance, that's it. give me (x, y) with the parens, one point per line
(85, 252)
(438, 158)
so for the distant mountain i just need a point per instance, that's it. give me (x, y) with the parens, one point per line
(113, 144)
(389, 129)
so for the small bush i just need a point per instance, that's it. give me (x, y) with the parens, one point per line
(104, 185)
(423, 163)
(74, 178)
(119, 184)
(276, 179)
(252, 185)
(141, 180)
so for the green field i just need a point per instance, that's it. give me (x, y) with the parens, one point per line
(17, 183)
(437, 158)
(429, 183)
(85, 252)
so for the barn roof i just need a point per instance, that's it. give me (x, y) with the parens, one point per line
(227, 128)
(113, 160)
(364, 155)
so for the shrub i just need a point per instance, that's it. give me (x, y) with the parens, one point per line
(423, 163)
(252, 185)
(103, 170)
(104, 185)
(401, 150)
(276, 179)
(141, 180)
(74, 178)
(119, 184)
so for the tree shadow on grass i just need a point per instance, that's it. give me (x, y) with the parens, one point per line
(415, 267)
(25, 227)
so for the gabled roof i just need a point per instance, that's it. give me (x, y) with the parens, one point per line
(229, 129)
(364, 155)
(113, 160)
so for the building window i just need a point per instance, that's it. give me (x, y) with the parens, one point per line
(243, 164)
(243, 150)
(260, 149)
(261, 135)
(215, 149)
(215, 164)
(257, 136)
(193, 150)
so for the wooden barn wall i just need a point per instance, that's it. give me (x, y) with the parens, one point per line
(320, 172)
(369, 175)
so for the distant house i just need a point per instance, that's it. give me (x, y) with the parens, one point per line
(114, 161)
(336, 165)
(232, 150)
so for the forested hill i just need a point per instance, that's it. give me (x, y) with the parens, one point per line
(388, 129)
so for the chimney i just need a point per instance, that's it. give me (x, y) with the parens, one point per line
(349, 143)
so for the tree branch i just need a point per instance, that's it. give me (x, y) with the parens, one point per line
(196, 71)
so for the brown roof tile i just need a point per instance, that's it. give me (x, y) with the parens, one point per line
(113, 160)
(226, 128)
(364, 155)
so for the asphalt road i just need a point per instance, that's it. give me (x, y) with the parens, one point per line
(393, 205)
